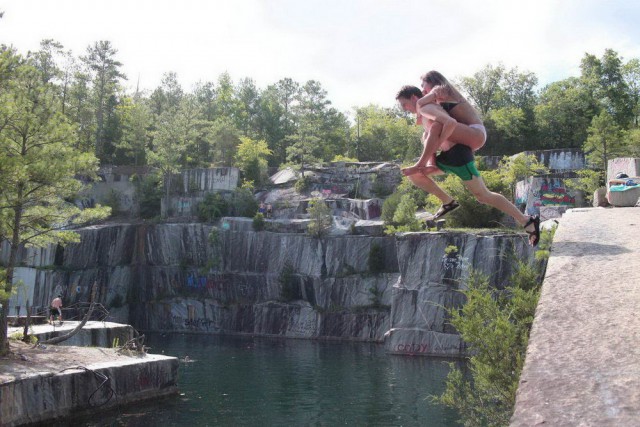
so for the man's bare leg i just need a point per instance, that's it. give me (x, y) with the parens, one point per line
(427, 184)
(426, 164)
(446, 126)
(483, 195)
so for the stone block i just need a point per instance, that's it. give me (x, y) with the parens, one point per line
(550, 212)
(627, 165)
(626, 198)
(413, 341)
(600, 198)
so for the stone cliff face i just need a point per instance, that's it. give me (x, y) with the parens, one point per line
(194, 277)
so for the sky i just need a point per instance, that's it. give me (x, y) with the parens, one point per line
(360, 51)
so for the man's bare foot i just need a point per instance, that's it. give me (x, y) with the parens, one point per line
(411, 170)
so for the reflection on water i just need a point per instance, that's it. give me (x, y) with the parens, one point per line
(256, 381)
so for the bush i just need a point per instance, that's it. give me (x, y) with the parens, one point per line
(495, 325)
(405, 188)
(389, 207)
(588, 181)
(244, 204)
(471, 213)
(379, 188)
(258, 222)
(289, 289)
(113, 201)
(341, 158)
(375, 296)
(376, 259)
(149, 195)
(303, 184)
(404, 218)
(213, 206)
(321, 220)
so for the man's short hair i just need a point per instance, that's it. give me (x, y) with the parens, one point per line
(407, 91)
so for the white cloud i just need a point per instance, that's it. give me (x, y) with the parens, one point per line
(360, 51)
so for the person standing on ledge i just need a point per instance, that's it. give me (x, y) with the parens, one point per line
(56, 309)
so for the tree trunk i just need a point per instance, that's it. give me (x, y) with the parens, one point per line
(75, 330)
(25, 331)
(13, 256)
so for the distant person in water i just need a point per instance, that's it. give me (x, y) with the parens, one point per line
(56, 309)
(458, 159)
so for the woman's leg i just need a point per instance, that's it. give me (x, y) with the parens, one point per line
(452, 130)
(436, 113)
(465, 135)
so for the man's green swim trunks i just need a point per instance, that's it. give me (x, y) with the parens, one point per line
(459, 161)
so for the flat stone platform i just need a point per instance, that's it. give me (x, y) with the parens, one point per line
(47, 383)
(93, 333)
(583, 361)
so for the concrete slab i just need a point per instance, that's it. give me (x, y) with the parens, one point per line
(44, 384)
(93, 333)
(583, 361)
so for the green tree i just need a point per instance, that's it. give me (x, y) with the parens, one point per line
(605, 140)
(510, 131)
(588, 181)
(519, 167)
(251, 158)
(212, 207)
(167, 96)
(633, 142)
(135, 121)
(100, 60)
(382, 134)
(604, 77)
(244, 204)
(519, 89)
(471, 213)
(248, 99)
(46, 60)
(225, 140)
(392, 202)
(506, 99)
(80, 110)
(404, 218)
(495, 325)
(564, 113)
(321, 220)
(169, 145)
(205, 94)
(227, 103)
(303, 144)
(37, 156)
(287, 93)
(484, 88)
(631, 74)
(272, 126)
(321, 131)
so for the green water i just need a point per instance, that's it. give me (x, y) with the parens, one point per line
(242, 381)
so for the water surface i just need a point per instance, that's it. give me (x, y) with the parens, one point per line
(244, 381)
